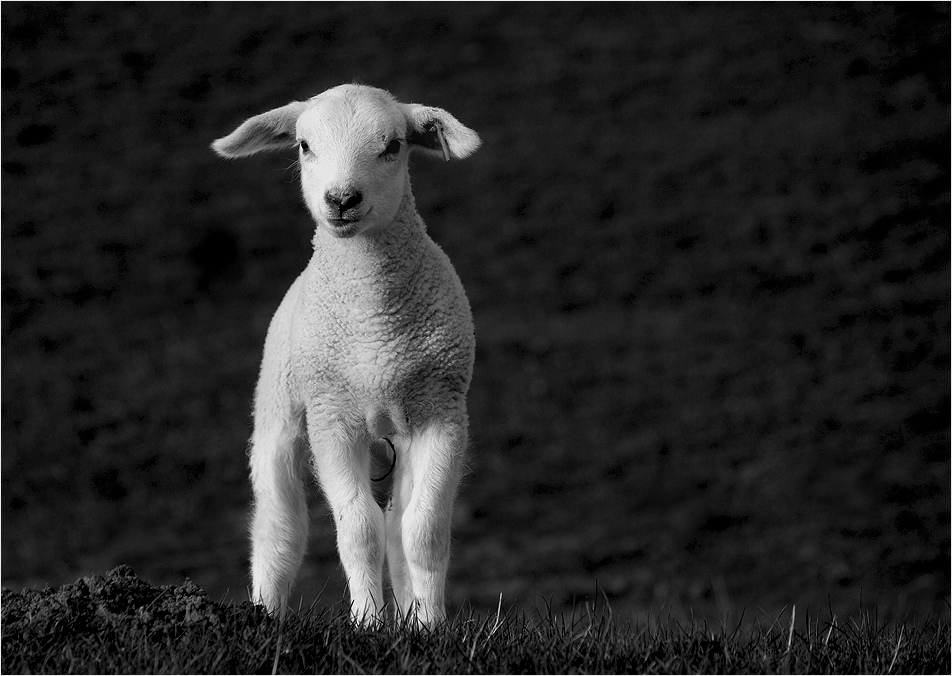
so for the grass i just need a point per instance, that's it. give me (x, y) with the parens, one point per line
(119, 624)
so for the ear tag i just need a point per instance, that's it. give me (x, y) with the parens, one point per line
(439, 135)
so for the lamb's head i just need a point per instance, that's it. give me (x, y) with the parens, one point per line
(353, 143)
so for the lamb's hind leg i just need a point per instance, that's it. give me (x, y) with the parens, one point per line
(393, 513)
(279, 525)
(435, 457)
(342, 461)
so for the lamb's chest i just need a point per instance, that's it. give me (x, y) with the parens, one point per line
(373, 352)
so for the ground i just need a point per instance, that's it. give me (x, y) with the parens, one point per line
(706, 246)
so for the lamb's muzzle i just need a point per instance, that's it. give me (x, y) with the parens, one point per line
(343, 200)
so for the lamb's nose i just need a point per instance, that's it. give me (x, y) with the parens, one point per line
(342, 200)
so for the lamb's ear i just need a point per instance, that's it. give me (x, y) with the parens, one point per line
(272, 130)
(436, 131)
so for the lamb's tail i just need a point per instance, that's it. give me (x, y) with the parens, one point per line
(383, 460)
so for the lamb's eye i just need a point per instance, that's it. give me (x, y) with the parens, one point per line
(304, 146)
(391, 150)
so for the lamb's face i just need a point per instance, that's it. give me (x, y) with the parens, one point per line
(352, 146)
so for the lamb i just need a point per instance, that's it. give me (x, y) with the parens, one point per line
(373, 343)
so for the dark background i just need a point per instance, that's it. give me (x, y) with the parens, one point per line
(706, 246)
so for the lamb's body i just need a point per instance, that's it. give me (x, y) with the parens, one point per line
(374, 339)
(384, 325)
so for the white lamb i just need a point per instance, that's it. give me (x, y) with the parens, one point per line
(374, 340)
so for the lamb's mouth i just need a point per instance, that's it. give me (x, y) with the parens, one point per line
(347, 222)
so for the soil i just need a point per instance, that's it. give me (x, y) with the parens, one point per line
(93, 603)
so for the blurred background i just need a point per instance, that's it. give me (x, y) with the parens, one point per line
(706, 246)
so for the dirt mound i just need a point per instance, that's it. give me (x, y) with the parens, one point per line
(94, 603)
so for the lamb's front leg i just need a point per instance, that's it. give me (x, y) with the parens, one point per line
(435, 456)
(342, 461)
(279, 526)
